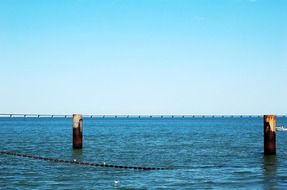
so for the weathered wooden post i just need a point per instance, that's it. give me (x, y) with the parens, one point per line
(77, 131)
(269, 134)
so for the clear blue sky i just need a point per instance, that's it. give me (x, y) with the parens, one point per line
(143, 56)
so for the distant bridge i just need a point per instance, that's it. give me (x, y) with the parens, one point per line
(33, 115)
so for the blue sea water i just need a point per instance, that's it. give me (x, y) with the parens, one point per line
(205, 153)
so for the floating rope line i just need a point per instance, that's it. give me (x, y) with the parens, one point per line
(79, 162)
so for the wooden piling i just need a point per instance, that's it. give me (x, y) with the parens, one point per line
(269, 134)
(77, 131)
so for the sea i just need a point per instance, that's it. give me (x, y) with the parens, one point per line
(222, 152)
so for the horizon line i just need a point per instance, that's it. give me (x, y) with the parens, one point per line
(135, 115)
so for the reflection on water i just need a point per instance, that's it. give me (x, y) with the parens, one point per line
(77, 154)
(270, 171)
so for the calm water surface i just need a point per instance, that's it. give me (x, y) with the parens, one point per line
(206, 153)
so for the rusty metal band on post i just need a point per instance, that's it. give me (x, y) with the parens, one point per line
(269, 134)
(77, 131)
